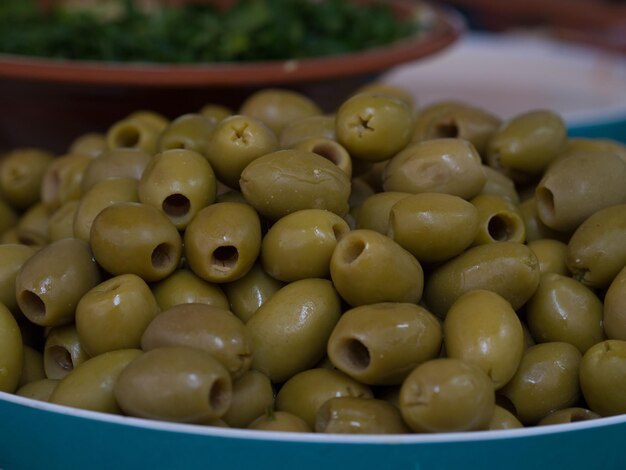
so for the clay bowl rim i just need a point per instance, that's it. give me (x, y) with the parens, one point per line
(445, 27)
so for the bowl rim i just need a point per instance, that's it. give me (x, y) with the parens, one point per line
(311, 438)
(445, 26)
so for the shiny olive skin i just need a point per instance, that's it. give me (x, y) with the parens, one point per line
(188, 131)
(599, 184)
(305, 392)
(290, 330)
(449, 165)
(61, 221)
(11, 351)
(133, 132)
(114, 314)
(499, 184)
(499, 220)
(535, 228)
(184, 287)
(248, 293)
(329, 149)
(481, 328)
(101, 195)
(62, 179)
(614, 312)
(236, 142)
(350, 415)
(32, 366)
(206, 327)
(603, 377)
(285, 181)
(135, 238)
(374, 127)
(252, 396)
(38, 390)
(596, 252)
(300, 245)
(503, 419)
(380, 344)
(174, 383)
(506, 268)
(120, 163)
(178, 182)
(63, 352)
(525, 145)
(446, 395)
(568, 415)
(367, 267)
(375, 211)
(546, 380)
(277, 107)
(223, 241)
(551, 255)
(433, 226)
(429, 112)
(21, 174)
(563, 309)
(280, 421)
(50, 283)
(458, 120)
(91, 385)
(12, 257)
(91, 144)
(305, 128)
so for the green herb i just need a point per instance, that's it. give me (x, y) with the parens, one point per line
(251, 30)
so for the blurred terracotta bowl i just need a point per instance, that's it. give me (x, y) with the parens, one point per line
(47, 103)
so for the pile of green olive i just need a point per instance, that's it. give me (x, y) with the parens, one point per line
(388, 268)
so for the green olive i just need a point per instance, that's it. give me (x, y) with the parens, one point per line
(253, 395)
(50, 283)
(603, 377)
(61, 222)
(174, 383)
(374, 127)
(63, 352)
(350, 415)
(62, 180)
(596, 252)
(499, 184)
(11, 351)
(503, 419)
(206, 327)
(499, 220)
(248, 293)
(433, 226)
(8, 216)
(382, 343)
(119, 163)
(329, 149)
(563, 309)
(135, 238)
(13, 257)
(546, 380)
(91, 385)
(280, 421)
(215, 112)
(178, 182)
(223, 241)
(290, 330)
(21, 174)
(285, 181)
(481, 328)
(38, 390)
(114, 314)
(184, 287)
(367, 267)
(599, 178)
(568, 415)
(551, 255)
(305, 128)
(300, 245)
(383, 88)
(133, 132)
(307, 391)
(535, 228)
(151, 117)
(507, 268)
(450, 166)
(614, 314)
(188, 131)
(375, 211)
(91, 144)
(446, 395)
(33, 227)
(236, 142)
(32, 366)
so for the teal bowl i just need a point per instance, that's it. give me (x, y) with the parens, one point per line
(38, 435)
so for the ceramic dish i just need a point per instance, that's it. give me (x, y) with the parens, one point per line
(49, 102)
(42, 435)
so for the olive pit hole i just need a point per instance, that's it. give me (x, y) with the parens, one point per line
(127, 137)
(176, 205)
(162, 256)
(545, 201)
(445, 130)
(339, 231)
(501, 228)
(356, 354)
(32, 305)
(353, 250)
(219, 396)
(225, 256)
(328, 151)
(61, 358)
